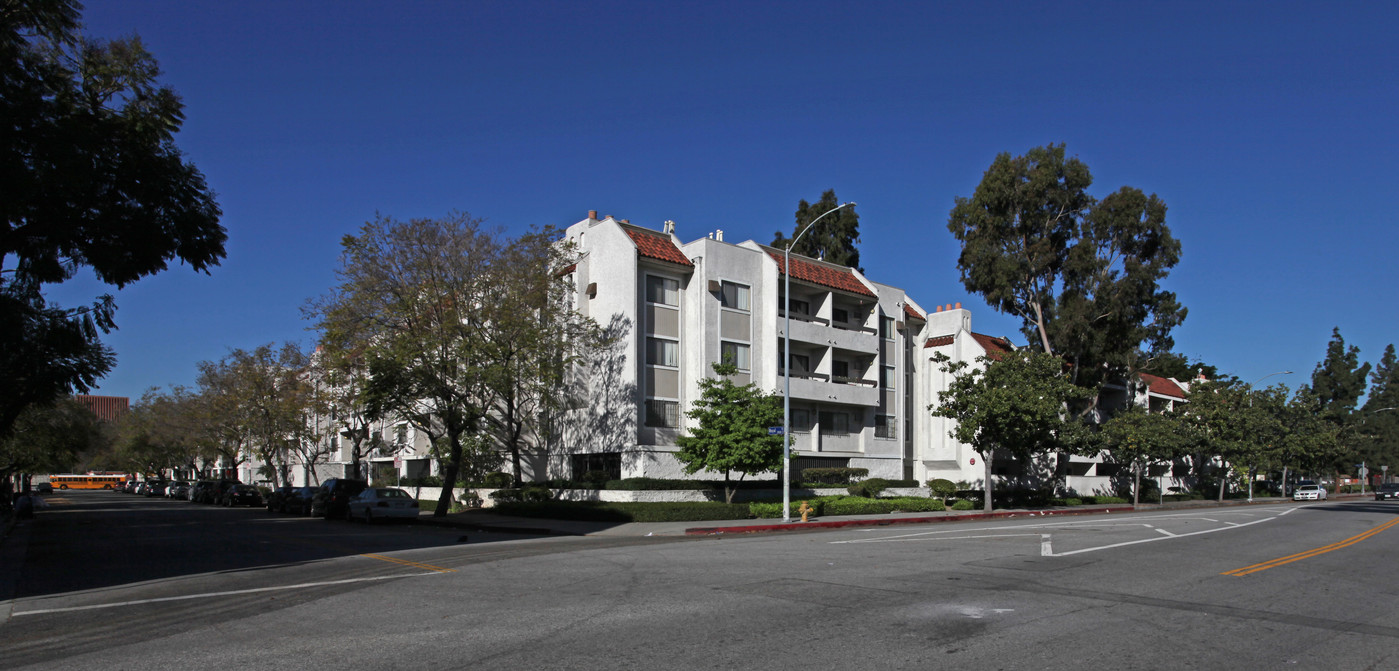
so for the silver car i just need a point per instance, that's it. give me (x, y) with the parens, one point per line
(381, 503)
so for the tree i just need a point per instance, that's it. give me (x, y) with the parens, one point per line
(1083, 275)
(90, 177)
(418, 299)
(534, 344)
(1014, 404)
(732, 430)
(1178, 366)
(48, 438)
(164, 430)
(1339, 380)
(833, 239)
(1380, 431)
(1139, 438)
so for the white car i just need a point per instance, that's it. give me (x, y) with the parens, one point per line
(1309, 493)
(382, 503)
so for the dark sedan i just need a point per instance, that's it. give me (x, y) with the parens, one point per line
(1387, 492)
(242, 495)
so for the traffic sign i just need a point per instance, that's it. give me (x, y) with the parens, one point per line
(774, 430)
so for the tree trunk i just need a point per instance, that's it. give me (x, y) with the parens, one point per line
(449, 474)
(1223, 477)
(986, 490)
(1136, 484)
(1284, 481)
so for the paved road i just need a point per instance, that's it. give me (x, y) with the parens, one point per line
(114, 581)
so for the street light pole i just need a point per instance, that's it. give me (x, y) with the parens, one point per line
(787, 364)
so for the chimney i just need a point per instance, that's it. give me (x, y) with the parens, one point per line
(719, 235)
(592, 214)
(959, 306)
(668, 227)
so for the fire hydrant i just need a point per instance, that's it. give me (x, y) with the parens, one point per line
(805, 510)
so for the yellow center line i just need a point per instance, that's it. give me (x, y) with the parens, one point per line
(406, 562)
(1273, 563)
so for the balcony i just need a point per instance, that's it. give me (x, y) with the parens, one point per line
(824, 389)
(822, 333)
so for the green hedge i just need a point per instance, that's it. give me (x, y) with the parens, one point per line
(848, 505)
(626, 512)
(831, 476)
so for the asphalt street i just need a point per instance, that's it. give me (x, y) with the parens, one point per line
(115, 581)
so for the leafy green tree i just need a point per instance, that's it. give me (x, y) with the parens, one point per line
(49, 438)
(533, 345)
(832, 239)
(90, 177)
(1082, 274)
(1139, 438)
(1178, 366)
(732, 430)
(421, 302)
(1339, 380)
(1014, 404)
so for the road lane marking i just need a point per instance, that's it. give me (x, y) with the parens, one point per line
(406, 562)
(1046, 548)
(185, 597)
(1163, 531)
(1273, 563)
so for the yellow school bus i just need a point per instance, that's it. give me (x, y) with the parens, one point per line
(89, 481)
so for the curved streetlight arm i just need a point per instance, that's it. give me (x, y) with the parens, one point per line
(787, 364)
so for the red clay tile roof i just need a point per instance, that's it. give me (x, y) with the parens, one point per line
(913, 314)
(994, 346)
(940, 341)
(1162, 386)
(824, 274)
(656, 246)
(562, 273)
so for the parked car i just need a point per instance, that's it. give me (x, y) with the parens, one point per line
(241, 495)
(198, 490)
(333, 495)
(1309, 493)
(274, 498)
(130, 486)
(218, 489)
(382, 503)
(298, 501)
(1387, 492)
(178, 489)
(44, 488)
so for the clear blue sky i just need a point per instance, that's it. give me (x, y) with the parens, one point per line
(1268, 128)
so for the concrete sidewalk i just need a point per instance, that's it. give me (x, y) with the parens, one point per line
(485, 521)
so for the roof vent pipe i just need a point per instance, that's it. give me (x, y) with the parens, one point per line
(719, 235)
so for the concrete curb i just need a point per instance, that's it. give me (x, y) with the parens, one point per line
(876, 522)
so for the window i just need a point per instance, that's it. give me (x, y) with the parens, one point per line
(734, 296)
(400, 435)
(608, 463)
(800, 307)
(835, 423)
(735, 353)
(662, 290)
(801, 421)
(665, 414)
(839, 315)
(886, 328)
(885, 426)
(662, 352)
(801, 363)
(886, 377)
(840, 369)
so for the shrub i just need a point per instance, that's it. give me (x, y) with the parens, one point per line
(498, 480)
(507, 496)
(861, 506)
(1100, 500)
(594, 479)
(963, 504)
(870, 488)
(650, 484)
(596, 511)
(1071, 501)
(536, 493)
(831, 476)
(765, 510)
(942, 488)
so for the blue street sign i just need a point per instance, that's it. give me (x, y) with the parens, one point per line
(774, 430)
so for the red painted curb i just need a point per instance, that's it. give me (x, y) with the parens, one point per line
(872, 522)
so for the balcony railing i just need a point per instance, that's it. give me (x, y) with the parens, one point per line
(803, 317)
(841, 379)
